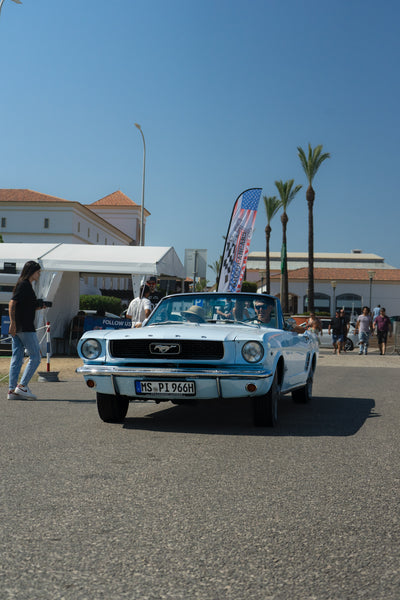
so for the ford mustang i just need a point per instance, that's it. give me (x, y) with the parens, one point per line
(202, 346)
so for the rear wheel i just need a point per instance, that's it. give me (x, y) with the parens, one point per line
(265, 408)
(112, 409)
(304, 394)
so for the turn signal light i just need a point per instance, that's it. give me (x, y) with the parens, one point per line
(251, 387)
(90, 383)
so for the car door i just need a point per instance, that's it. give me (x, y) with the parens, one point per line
(295, 347)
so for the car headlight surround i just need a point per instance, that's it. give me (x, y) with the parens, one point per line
(252, 352)
(91, 349)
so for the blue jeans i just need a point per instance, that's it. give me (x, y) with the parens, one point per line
(363, 337)
(28, 340)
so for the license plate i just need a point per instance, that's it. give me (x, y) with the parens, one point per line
(175, 388)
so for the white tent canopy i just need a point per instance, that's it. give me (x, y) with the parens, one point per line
(84, 258)
(62, 265)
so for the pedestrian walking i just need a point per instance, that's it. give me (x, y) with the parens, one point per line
(376, 311)
(338, 326)
(364, 328)
(140, 308)
(22, 308)
(345, 327)
(383, 327)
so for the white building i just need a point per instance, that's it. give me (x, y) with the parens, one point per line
(32, 217)
(349, 280)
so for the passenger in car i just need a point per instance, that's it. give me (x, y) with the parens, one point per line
(194, 314)
(226, 312)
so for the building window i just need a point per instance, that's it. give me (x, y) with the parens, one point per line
(79, 226)
(350, 302)
(3, 222)
(88, 232)
(97, 238)
(322, 303)
(46, 223)
(105, 241)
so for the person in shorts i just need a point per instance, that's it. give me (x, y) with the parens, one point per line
(338, 335)
(383, 327)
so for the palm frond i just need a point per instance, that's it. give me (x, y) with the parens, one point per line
(272, 205)
(313, 161)
(286, 192)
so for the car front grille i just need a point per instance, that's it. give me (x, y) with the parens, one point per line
(167, 349)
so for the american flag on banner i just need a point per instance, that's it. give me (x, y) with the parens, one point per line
(237, 241)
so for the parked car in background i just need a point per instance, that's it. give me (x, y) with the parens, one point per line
(325, 340)
(187, 351)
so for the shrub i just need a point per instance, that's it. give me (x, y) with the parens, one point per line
(249, 286)
(106, 303)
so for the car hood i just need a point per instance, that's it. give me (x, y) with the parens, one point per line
(186, 331)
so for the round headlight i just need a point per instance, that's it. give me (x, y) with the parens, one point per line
(91, 349)
(252, 352)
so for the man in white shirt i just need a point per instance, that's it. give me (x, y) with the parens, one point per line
(140, 308)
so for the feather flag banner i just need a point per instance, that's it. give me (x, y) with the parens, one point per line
(237, 241)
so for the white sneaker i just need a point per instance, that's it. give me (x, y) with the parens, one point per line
(26, 393)
(12, 396)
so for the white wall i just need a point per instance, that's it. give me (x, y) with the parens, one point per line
(67, 224)
(387, 295)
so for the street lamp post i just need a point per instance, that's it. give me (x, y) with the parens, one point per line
(371, 275)
(141, 242)
(333, 284)
(2, 2)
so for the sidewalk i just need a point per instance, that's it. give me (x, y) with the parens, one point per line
(354, 359)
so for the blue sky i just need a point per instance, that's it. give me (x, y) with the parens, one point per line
(225, 91)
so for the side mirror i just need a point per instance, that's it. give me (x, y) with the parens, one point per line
(289, 324)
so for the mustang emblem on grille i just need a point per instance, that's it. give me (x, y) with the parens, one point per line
(165, 348)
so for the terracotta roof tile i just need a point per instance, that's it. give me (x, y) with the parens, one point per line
(114, 199)
(11, 195)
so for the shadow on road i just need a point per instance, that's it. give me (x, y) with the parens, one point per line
(324, 416)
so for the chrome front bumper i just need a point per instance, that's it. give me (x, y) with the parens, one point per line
(110, 371)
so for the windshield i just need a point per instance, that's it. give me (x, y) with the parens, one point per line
(217, 308)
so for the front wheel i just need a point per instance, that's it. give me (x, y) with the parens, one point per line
(265, 408)
(304, 394)
(348, 345)
(112, 409)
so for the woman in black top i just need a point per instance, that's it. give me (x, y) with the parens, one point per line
(22, 308)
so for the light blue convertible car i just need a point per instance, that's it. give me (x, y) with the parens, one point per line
(202, 346)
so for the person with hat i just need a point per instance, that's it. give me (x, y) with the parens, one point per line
(22, 308)
(194, 314)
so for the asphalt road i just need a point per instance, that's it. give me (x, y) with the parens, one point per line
(194, 503)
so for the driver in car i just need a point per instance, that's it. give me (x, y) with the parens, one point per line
(263, 313)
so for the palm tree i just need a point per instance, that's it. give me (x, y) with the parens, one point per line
(272, 205)
(286, 193)
(311, 164)
(216, 267)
